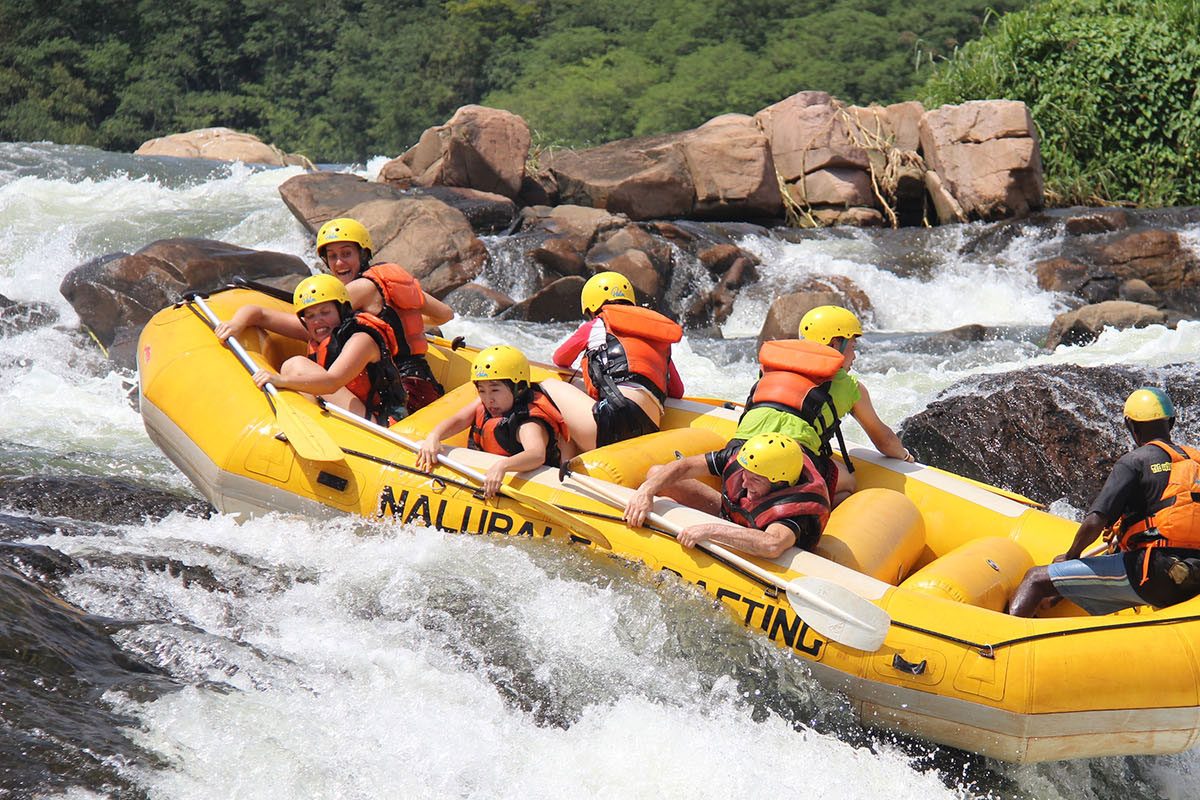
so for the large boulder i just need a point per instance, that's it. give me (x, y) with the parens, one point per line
(1083, 325)
(732, 171)
(416, 230)
(807, 132)
(783, 317)
(1155, 256)
(115, 295)
(478, 148)
(1046, 432)
(221, 144)
(987, 155)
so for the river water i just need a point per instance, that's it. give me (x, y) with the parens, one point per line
(151, 652)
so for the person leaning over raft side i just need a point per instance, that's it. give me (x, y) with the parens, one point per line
(627, 365)
(772, 496)
(1149, 492)
(387, 291)
(349, 358)
(806, 388)
(511, 417)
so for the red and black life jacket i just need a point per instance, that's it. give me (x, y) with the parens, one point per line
(809, 496)
(796, 377)
(378, 386)
(403, 300)
(498, 434)
(637, 349)
(1174, 519)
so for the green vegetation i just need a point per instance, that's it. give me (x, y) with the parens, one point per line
(340, 80)
(1113, 85)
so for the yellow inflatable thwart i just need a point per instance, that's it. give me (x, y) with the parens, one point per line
(900, 608)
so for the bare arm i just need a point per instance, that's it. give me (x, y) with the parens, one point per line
(1091, 528)
(884, 439)
(358, 352)
(435, 311)
(432, 444)
(534, 438)
(658, 477)
(258, 317)
(770, 543)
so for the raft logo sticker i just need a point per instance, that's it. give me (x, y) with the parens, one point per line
(462, 519)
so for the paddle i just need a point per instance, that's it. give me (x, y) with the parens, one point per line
(548, 510)
(307, 438)
(829, 609)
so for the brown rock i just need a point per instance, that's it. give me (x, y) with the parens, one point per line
(642, 178)
(987, 156)
(478, 148)
(1098, 220)
(578, 225)
(220, 144)
(732, 171)
(718, 258)
(856, 216)
(783, 317)
(905, 119)
(1136, 290)
(487, 212)
(318, 197)
(1155, 256)
(1085, 324)
(560, 256)
(120, 292)
(835, 186)
(807, 132)
(947, 207)
(473, 300)
(1093, 284)
(397, 173)
(640, 270)
(557, 302)
(425, 236)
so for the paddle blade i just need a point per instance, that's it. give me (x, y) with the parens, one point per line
(839, 614)
(306, 437)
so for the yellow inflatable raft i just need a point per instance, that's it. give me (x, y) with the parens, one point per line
(900, 608)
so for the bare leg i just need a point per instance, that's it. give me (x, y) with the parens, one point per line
(1035, 587)
(576, 408)
(847, 483)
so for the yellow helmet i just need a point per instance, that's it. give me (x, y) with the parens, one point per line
(1149, 403)
(319, 289)
(344, 229)
(825, 323)
(604, 287)
(775, 456)
(500, 362)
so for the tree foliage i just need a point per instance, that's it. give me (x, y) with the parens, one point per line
(340, 80)
(1113, 85)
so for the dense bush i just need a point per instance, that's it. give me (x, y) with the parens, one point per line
(341, 80)
(1114, 86)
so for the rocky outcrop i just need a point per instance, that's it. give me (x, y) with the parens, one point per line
(986, 154)
(221, 144)
(783, 317)
(424, 235)
(1046, 432)
(721, 170)
(16, 317)
(116, 295)
(478, 148)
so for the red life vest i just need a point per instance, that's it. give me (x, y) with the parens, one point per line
(796, 374)
(1174, 520)
(637, 350)
(808, 497)
(378, 386)
(403, 300)
(498, 434)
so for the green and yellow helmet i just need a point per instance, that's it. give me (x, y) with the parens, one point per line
(1147, 404)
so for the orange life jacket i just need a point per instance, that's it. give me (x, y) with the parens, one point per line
(403, 300)
(1173, 520)
(637, 350)
(807, 497)
(498, 434)
(796, 374)
(378, 386)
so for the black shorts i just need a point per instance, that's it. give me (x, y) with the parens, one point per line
(620, 419)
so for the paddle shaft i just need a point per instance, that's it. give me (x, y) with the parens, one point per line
(234, 345)
(545, 507)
